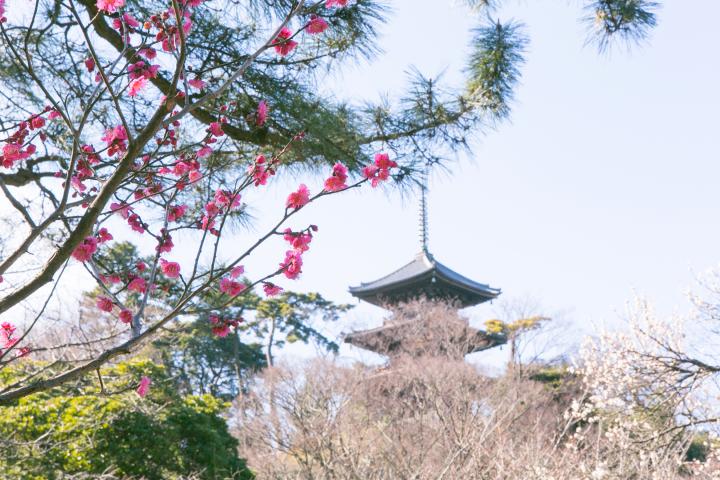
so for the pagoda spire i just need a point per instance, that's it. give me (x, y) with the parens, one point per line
(424, 208)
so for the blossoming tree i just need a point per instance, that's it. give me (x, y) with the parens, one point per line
(157, 118)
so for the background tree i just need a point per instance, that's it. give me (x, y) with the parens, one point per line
(102, 427)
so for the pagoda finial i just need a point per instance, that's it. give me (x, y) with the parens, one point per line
(423, 208)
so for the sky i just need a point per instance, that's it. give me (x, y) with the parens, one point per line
(602, 184)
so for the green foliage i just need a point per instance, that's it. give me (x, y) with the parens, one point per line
(98, 428)
(494, 66)
(630, 20)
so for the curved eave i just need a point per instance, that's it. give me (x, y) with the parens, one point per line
(447, 283)
(386, 340)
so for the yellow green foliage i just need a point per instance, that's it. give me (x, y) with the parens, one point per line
(95, 427)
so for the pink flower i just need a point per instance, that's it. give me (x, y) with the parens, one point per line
(316, 25)
(292, 265)
(126, 316)
(196, 83)
(237, 271)
(231, 287)
(299, 198)
(262, 113)
(105, 304)
(336, 3)
(148, 53)
(176, 212)
(299, 240)
(144, 386)
(115, 139)
(336, 181)
(260, 171)
(85, 250)
(380, 171)
(194, 176)
(103, 235)
(283, 44)
(37, 122)
(204, 152)
(7, 330)
(13, 152)
(165, 245)
(137, 284)
(121, 208)
(271, 289)
(137, 85)
(216, 129)
(130, 20)
(170, 269)
(110, 6)
(90, 64)
(136, 223)
(221, 331)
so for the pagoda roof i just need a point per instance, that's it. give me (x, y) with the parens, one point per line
(451, 338)
(424, 277)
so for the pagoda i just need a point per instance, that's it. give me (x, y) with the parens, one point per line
(424, 279)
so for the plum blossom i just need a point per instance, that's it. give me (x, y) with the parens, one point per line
(85, 250)
(216, 129)
(194, 176)
(292, 265)
(336, 181)
(197, 83)
(176, 212)
(298, 198)
(170, 269)
(137, 284)
(141, 69)
(12, 152)
(261, 171)
(144, 386)
(136, 223)
(105, 304)
(116, 139)
(110, 6)
(231, 287)
(204, 152)
(298, 240)
(121, 208)
(103, 235)
(165, 245)
(237, 271)
(136, 85)
(336, 3)
(7, 330)
(283, 44)
(271, 289)
(221, 327)
(262, 113)
(380, 170)
(126, 316)
(316, 25)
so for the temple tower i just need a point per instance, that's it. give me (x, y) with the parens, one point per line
(427, 279)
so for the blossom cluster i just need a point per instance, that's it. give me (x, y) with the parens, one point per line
(221, 326)
(8, 339)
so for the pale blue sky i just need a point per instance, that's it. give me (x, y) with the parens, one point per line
(604, 180)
